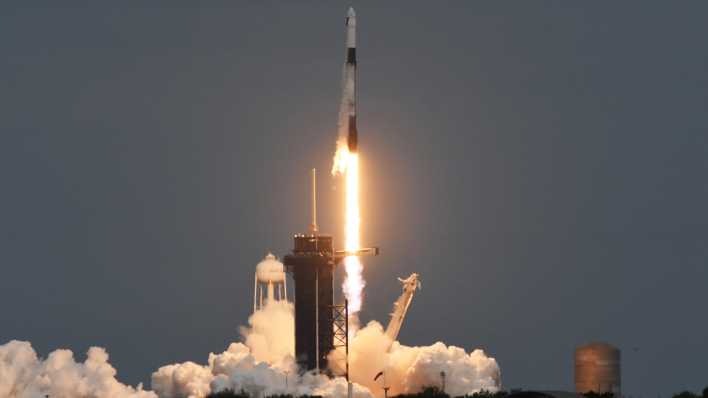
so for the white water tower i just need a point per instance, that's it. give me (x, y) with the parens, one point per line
(269, 282)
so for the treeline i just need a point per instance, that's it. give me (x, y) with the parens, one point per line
(435, 392)
(243, 394)
(689, 394)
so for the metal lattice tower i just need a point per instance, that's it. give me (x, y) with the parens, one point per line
(340, 356)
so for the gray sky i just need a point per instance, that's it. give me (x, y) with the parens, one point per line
(542, 165)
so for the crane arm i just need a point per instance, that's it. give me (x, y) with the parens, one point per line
(400, 307)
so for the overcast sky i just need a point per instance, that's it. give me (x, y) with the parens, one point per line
(542, 165)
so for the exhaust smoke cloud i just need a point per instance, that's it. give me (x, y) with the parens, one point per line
(262, 364)
(24, 375)
(264, 361)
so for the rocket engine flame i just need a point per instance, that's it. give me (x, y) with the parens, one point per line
(347, 163)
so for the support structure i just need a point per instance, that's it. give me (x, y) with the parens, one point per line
(312, 266)
(400, 307)
(320, 326)
(340, 357)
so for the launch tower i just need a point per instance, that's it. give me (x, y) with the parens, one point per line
(319, 323)
(312, 263)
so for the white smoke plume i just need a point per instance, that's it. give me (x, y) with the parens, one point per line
(409, 369)
(24, 375)
(261, 365)
(271, 334)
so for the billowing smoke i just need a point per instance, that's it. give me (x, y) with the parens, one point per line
(262, 364)
(236, 369)
(271, 334)
(24, 375)
(409, 369)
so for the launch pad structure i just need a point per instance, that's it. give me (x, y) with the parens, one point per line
(312, 265)
(320, 324)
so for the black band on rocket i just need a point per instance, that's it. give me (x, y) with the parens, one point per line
(352, 136)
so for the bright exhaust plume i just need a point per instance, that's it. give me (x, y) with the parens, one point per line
(346, 163)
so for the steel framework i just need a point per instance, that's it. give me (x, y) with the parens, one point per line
(340, 317)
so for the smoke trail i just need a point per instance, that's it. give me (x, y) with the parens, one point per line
(353, 285)
(24, 375)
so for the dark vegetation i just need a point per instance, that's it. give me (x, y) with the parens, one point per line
(228, 394)
(243, 394)
(593, 394)
(436, 392)
(428, 392)
(689, 394)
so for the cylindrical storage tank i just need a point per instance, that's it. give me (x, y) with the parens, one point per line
(597, 368)
(270, 270)
(270, 284)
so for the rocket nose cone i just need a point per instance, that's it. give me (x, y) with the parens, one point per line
(351, 12)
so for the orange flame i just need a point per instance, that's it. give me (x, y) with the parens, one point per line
(347, 163)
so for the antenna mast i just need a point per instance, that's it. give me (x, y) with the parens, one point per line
(313, 226)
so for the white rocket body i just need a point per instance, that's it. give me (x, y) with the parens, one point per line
(347, 109)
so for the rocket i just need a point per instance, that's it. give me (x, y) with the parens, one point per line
(347, 110)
